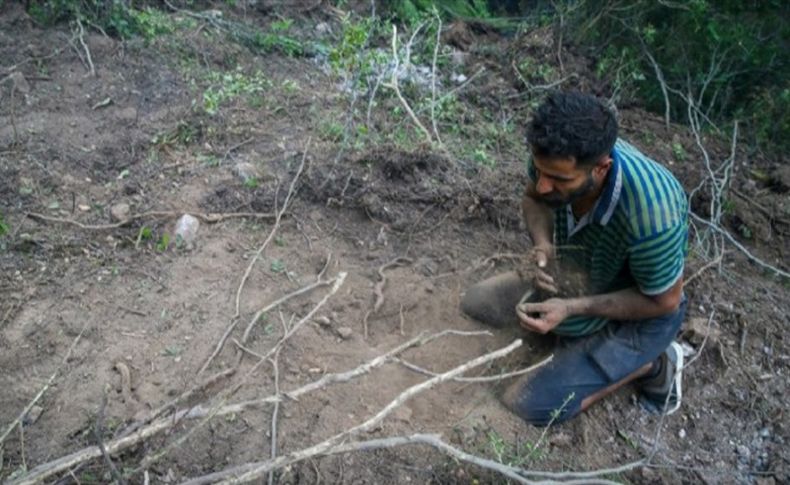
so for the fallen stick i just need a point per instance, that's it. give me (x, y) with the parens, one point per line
(493, 378)
(270, 306)
(133, 438)
(222, 398)
(232, 475)
(209, 218)
(379, 289)
(40, 393)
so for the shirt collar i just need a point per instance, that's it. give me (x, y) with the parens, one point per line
(604, 208)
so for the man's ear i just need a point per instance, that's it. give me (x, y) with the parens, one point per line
(601, 168)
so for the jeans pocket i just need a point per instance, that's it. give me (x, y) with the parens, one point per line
(618, 353)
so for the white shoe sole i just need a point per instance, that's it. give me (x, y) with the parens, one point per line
(677, 378)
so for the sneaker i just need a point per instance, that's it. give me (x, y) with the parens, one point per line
(664, 392)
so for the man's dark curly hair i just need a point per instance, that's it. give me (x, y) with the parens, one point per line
(572, 124)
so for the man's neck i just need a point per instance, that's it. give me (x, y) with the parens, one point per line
(585, 204)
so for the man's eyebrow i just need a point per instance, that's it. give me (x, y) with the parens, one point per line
(555, 177)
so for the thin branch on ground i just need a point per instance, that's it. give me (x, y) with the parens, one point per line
(62, 464)
(237, 312)
(704, 340)
(319, 281)
(209, 218)
(394, 85)
(81, 37)
(740, 246)
(226, 394)
(44, 389)
(704, 268)
(233, 476)
(178, 400)
(270, 306)
(494, 378)
(379, 290)
(276, 226)
(98, 432)
(433, 77)
(276, 410)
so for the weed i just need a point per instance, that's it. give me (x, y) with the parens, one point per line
(163, 243)
(481, 157)
(678, 151)
(3, 226)
(279, 241)
(230, 85)
(183, 134)
(330, 130)
(150, 22)
(251, 182)
(277, 266)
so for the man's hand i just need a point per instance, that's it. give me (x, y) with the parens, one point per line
(545, 315)
(537, 260)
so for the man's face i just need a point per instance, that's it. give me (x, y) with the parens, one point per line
(560, 182)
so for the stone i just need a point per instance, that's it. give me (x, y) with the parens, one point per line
(33, 415)
(345, 332)
(20, 83)
(323, 28)
(697, 329)
(403, 413)
(246, 171)
(560, 439)
(120, 212)
(186, 231)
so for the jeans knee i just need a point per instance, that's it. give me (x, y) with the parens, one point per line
(543, 408)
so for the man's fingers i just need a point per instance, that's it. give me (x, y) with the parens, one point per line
(541, 258)
(530, 323)
(545, 282)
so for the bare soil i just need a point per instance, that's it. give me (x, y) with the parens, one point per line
(67, 154)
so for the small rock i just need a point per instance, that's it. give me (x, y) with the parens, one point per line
(345, 333)
(246, 171)
(403, 413)
(560, 440)
(186, 231)
(682, 433)
(764, 481)
(648, 475)
(430, 287)
(322, 28)
(127, 114)
(458, 78)
(33, 415)
(84, 207)
(743, 451)
(20, 83)
(323, 320)
(697, 329)
(120, 212)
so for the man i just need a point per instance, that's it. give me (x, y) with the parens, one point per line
(599, 203)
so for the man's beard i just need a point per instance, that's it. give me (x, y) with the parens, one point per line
(556, 200)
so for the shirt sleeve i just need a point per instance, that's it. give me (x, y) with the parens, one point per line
(656, 262)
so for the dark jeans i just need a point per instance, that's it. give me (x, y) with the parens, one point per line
(581, 366)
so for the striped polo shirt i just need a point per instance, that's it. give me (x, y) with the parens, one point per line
(635, 235)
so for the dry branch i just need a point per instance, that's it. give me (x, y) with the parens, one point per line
(379, 289)
(393, 84)
(63, 464)
(233, 476)
(248, 270)
(222, 398)
(493, 378)
(40, 393)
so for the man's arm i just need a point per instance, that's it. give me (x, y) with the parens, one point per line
(539, 219)
(628, 304)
